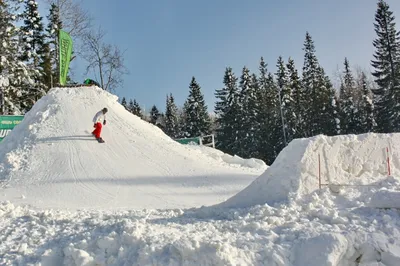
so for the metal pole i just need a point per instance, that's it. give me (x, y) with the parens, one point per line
(283, 120)
(319, 171)
(388, 160)
(2, 101)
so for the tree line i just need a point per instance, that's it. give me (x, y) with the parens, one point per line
(29, 64)
(192, 120)
(258, 114)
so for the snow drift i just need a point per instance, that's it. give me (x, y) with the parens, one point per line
(51, 160)
(340, 160)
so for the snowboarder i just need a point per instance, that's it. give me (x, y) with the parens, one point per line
(100, 115)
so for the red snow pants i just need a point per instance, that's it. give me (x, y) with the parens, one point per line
(97, 130)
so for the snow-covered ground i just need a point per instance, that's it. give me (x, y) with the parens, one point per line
(321, 229)
(143, 199)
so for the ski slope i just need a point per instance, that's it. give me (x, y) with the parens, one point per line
(50, 160)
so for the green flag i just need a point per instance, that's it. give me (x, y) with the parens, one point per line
(65, 55)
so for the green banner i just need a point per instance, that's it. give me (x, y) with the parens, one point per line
(65, 55)
(189, 141)
(7, 123)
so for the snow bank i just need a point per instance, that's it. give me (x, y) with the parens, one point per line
(51, 160)
(344, 160)
(320, 229)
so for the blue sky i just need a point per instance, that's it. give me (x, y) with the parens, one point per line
(168, 42)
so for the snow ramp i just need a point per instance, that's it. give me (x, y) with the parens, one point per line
(339, 160)
(51, 160)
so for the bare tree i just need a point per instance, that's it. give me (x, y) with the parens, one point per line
(75, 20)
(337, 77)
(357, 71)
(105, 60)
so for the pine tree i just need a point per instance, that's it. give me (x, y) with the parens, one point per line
(311, 83)
(349, 115)
(255, 105)
(387, 70)
(135, 109)
(263, 77)
(46, 68)
(226, 110)
(14, 75)
(269, 116)
(171, 118)
(262, 134)
(330, 115)
(154, 115)
(317, 89)
(161, 122)
(197, 119)
(130, 106)
(247, 114)
(285, 104)
(32, 31)
(275, 124)
(299, 101)
(182, 125)
(124, 103)
(366, 109)
(33, 50)
(53, 28)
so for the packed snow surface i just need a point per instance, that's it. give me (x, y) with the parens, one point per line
(143, 199)
(51, 159)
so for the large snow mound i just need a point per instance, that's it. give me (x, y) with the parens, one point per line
(51, 160)
(339, 160)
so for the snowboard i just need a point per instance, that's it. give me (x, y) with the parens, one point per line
(100, 140)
